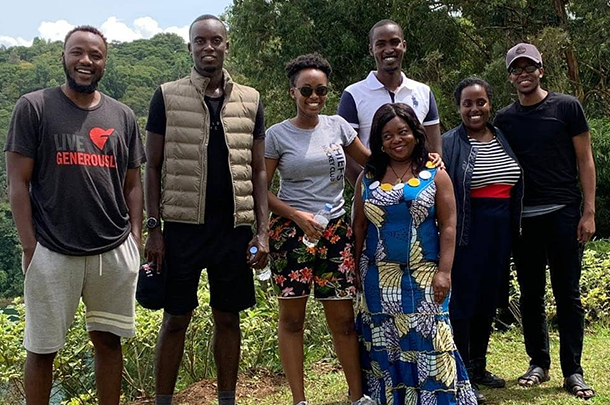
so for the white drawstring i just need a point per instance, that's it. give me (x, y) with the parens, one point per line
(100, 257)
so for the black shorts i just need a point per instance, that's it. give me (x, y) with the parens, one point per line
(190, 248)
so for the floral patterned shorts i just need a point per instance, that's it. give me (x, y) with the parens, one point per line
(328, 266)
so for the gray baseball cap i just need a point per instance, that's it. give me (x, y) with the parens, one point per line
(523, 50)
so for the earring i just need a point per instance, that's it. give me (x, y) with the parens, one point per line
(382, 150)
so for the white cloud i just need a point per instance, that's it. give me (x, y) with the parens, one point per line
(54, 30)
(113, 29)
(147, 27)
(142, 28)
(182, 31)
(10, 41)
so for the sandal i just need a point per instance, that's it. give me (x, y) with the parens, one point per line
(533, 376)
(575, 384)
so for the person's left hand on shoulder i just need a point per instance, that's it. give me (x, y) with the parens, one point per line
(259, 260)
(436, 160)
(441, 283)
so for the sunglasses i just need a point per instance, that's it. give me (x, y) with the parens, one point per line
(308, 91)
(528, 69)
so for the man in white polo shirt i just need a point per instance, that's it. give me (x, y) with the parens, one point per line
(388, 84)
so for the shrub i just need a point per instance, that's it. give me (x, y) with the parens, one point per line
(594, 287)
(600, 139)
(73, 371)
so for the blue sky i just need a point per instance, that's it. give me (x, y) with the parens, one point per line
(121, 20)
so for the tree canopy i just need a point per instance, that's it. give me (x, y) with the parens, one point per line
(447, 40)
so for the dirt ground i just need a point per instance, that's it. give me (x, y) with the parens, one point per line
(258, 385)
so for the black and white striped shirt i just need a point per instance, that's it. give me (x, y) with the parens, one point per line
(493, 165)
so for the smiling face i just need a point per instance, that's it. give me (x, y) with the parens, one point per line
(526, 83)
(208, 46)
(312, 105)
(84, 60)
(398, 140)
(388, 47)
(475, 107)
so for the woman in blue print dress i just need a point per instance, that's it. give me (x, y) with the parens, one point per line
(408, 353)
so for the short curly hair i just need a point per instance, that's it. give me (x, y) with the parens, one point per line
(86, 28)
(309, 61)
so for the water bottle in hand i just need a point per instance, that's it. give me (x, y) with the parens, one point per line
(263, 274)
(323, 218)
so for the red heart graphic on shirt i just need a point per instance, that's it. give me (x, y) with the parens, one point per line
(99, 136)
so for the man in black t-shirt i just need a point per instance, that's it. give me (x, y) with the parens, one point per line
(549, 134)
(206, 179)
(73, 156)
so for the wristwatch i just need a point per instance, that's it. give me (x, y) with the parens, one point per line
(152, 223)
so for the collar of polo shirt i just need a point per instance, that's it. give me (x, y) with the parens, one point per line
(374, 84)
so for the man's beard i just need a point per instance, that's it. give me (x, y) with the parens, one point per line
(79, 88)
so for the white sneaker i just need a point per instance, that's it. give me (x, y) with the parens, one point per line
(365, 400)
(303, 403)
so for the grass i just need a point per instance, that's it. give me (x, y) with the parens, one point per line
(325, 384)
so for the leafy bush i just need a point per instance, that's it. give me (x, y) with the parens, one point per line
(11, 275)
(600, 139)
(73, 371)
(594, 287)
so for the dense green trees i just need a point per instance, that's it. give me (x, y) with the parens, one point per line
(133, 72)
(447, 40)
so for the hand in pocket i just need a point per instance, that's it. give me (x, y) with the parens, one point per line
(27, 259)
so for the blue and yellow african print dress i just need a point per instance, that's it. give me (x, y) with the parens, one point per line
(408, 353)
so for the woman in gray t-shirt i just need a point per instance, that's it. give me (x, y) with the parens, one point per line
(309, 152)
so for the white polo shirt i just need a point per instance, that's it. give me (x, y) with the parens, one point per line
(360, 101)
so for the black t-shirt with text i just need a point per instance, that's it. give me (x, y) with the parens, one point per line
(219, 190)
(541, 137)
(81, 157)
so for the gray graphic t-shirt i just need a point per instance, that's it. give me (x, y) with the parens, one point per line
(81, 158)
(311, 162)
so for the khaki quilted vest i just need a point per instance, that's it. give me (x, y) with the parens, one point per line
(184, 175)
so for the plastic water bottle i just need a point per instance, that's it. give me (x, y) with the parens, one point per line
(263, 274)
(323, 218)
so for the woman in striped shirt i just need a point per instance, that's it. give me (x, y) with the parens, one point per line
(488, 185)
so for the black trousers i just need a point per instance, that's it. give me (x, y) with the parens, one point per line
(551, 239)
(471, 337)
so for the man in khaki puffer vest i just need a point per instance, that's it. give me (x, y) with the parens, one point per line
(206, 179)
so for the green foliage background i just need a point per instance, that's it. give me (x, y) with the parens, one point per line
(73, 371)
(447, 40)
(133, 72)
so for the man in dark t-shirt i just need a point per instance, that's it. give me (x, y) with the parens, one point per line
(206, 179)
(549, 134)
(73, 157)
